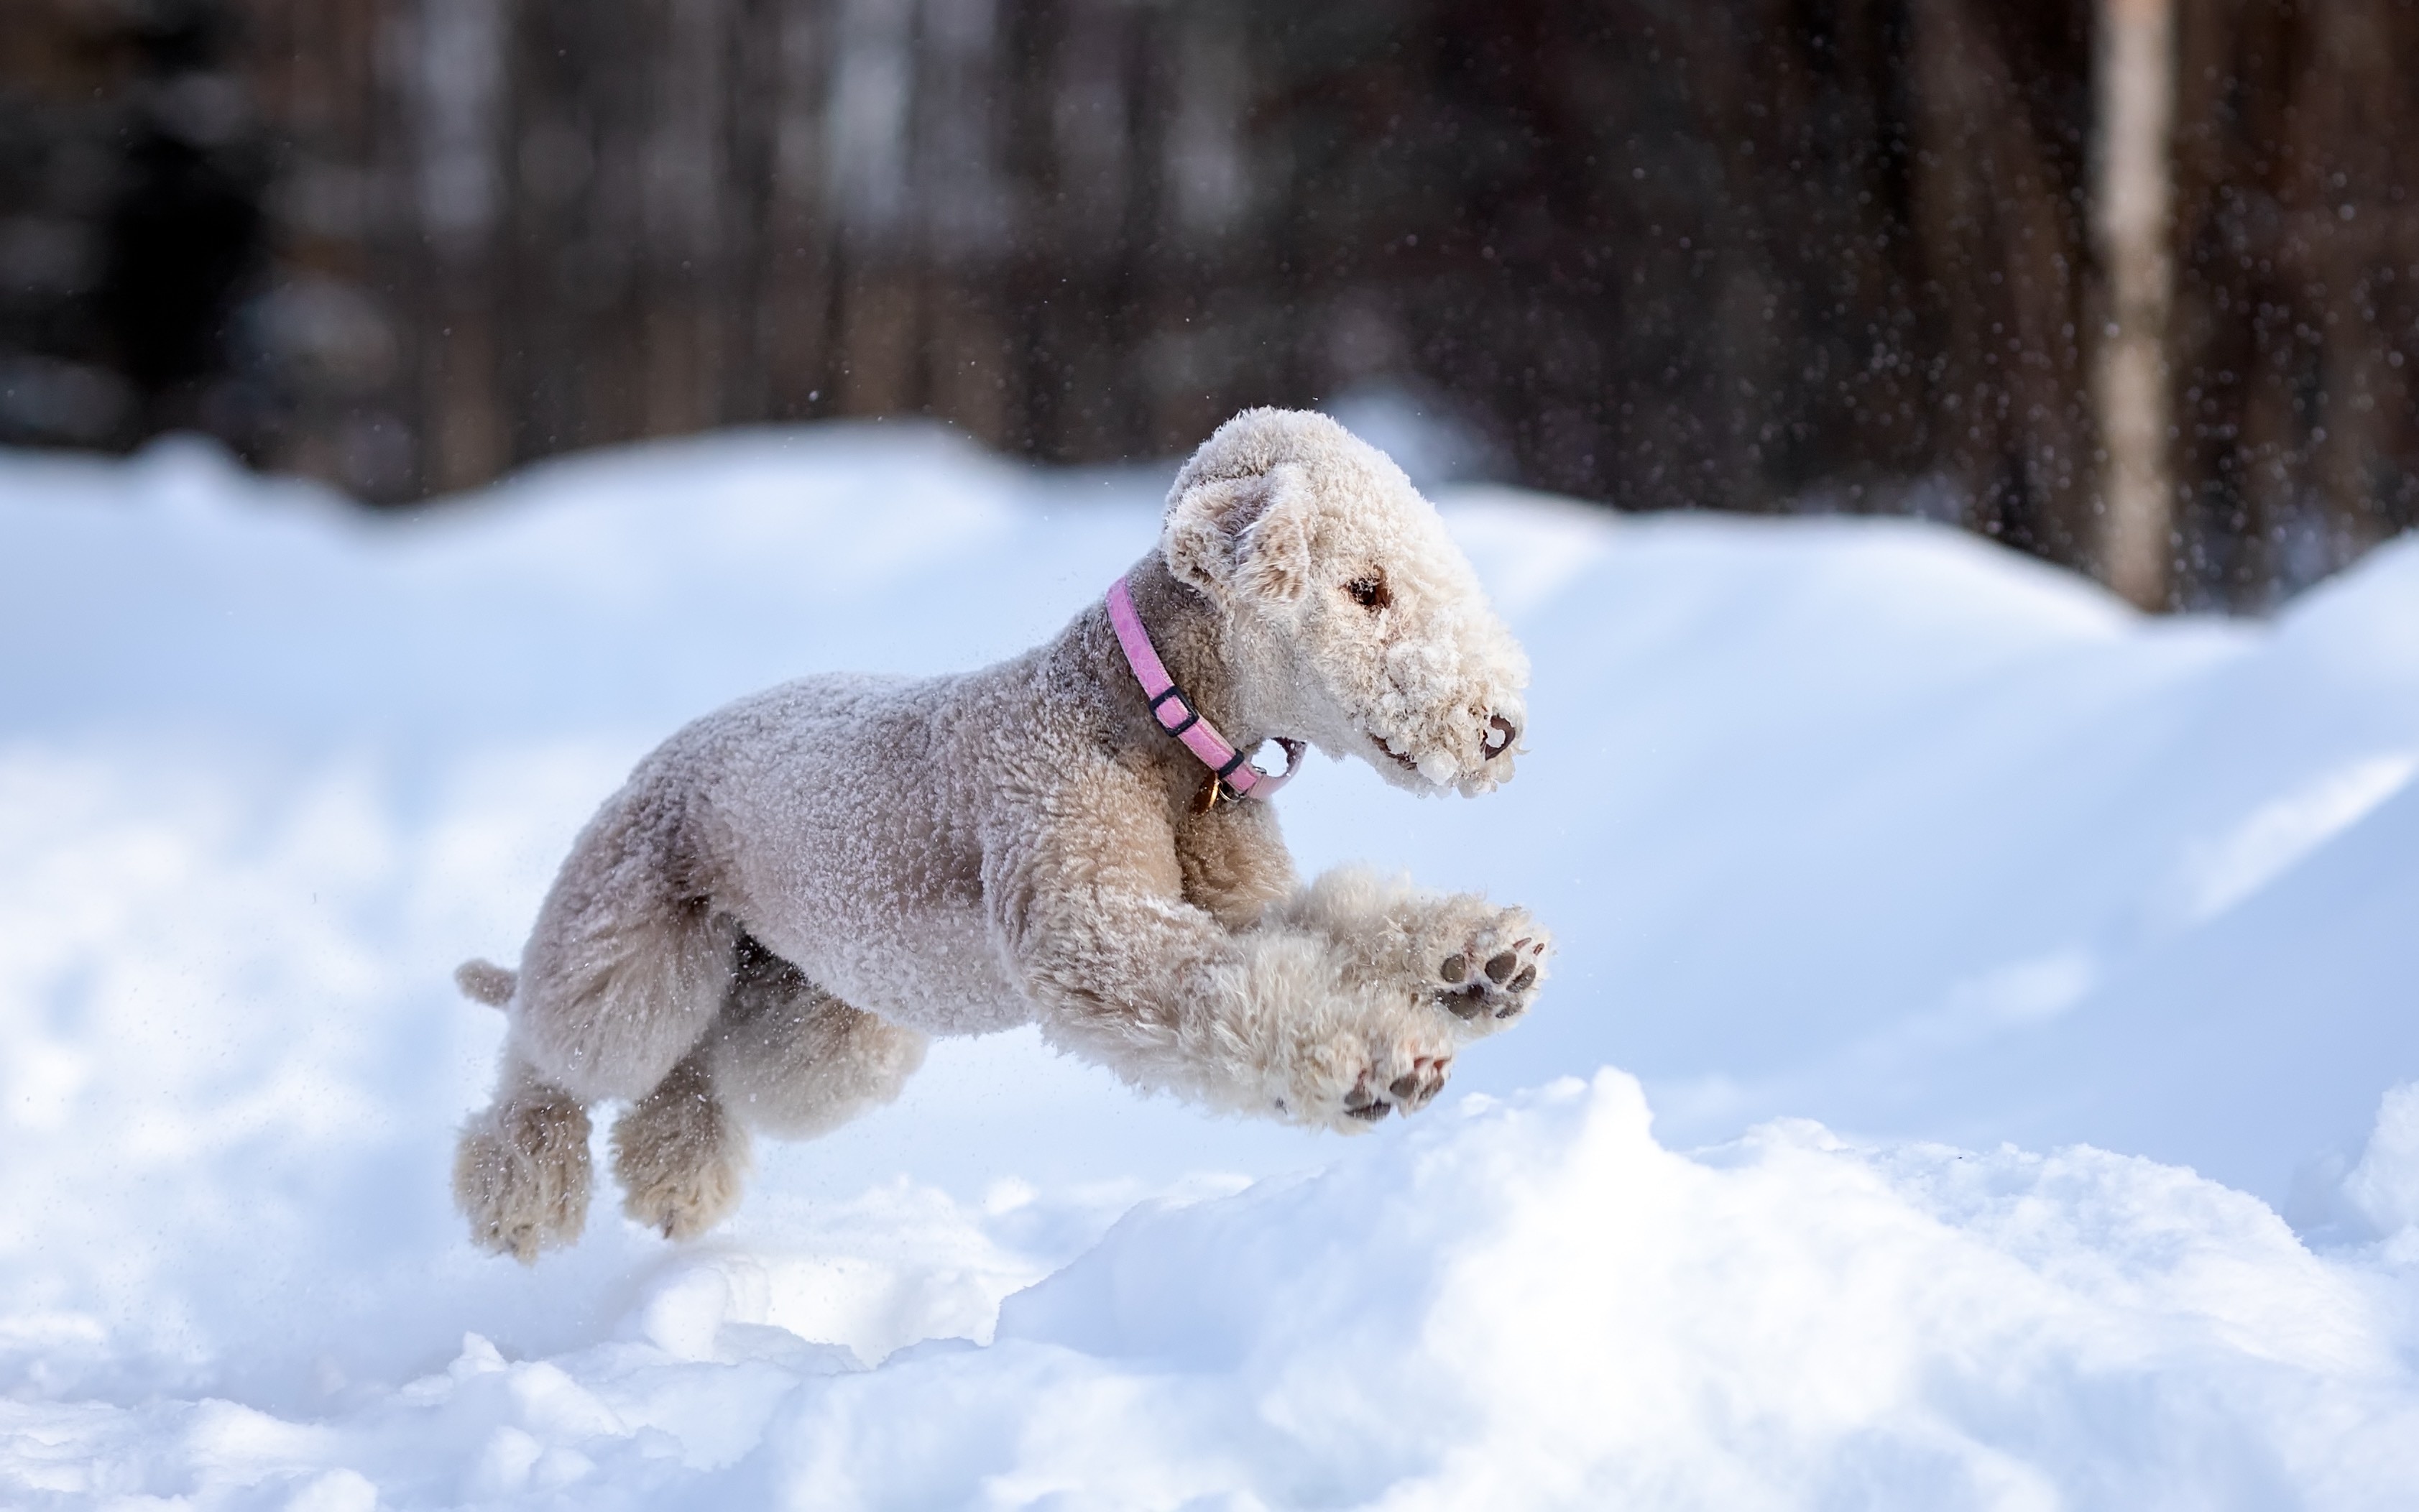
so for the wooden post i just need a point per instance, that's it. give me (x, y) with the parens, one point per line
(2132, 185)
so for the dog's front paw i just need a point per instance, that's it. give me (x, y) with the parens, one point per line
(1412, 1090)
(1357, 1081)
(1489, 976)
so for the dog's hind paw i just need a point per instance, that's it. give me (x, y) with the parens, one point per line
(681, 1157)
(521, 1176)
(683, 1205)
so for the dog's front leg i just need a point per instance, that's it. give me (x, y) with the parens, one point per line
(1123, 971)
(1234, 861)
(1479, 962)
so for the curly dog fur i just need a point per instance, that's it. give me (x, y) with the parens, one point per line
(762, 927)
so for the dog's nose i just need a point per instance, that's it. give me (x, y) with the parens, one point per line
(1501, 735)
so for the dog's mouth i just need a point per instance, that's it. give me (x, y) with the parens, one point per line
(1439, 771)
(1411, 764)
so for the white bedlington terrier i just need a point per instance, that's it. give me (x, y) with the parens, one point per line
(762, 927)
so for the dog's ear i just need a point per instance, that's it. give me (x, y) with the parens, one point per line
(1247, 535)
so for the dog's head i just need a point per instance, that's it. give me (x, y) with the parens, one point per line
(1349, 619)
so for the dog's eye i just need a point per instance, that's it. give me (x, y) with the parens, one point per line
(1369, 592)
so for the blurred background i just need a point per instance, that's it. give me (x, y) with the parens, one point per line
(2130, 285)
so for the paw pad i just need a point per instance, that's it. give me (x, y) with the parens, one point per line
(1410, 1091)
(1500, 989)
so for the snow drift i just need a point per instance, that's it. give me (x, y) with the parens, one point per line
(1857, 821)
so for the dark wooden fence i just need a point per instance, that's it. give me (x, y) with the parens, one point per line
(1731, 253)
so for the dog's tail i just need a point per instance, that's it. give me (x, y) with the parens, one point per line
(484, 981)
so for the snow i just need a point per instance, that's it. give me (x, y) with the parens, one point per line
(2086, 939)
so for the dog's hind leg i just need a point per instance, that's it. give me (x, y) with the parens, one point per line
(795, 1062)
(784, 1056)
(679, 1154)
(520, 1170)
(621, 978)
(629, 961)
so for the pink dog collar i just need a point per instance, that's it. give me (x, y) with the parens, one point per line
(1237, 778)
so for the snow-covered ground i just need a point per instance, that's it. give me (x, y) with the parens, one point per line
(2092, 943)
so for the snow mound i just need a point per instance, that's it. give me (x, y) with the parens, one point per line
(1525, 1305)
